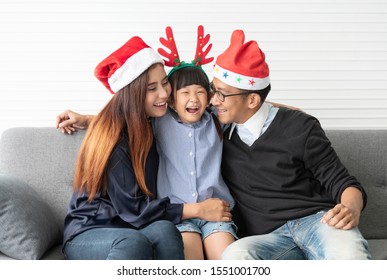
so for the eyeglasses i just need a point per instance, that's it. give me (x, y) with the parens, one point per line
(222, 97)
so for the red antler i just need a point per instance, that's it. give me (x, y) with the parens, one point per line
(169, 43)
(200, 56)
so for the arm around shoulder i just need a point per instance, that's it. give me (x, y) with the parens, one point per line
(69, 121)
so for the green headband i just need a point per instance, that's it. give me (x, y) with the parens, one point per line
(184, 64)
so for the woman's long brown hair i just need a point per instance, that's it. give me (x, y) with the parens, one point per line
(124, 112)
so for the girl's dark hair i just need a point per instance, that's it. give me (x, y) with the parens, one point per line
(193, 75)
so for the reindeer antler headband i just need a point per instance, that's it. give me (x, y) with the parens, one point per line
(173, 59)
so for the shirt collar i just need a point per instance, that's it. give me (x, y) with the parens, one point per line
(256, 122)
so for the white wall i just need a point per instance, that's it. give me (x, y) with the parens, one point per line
(327, 57)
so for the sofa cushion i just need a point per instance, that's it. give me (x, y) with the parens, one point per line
(45, 159)
(28, 227)
(364, 153)
(378, 249)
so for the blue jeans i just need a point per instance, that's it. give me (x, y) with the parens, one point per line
(299, 239)
(159, 240)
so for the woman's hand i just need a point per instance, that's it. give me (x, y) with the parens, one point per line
(283, 105)
(212, 209)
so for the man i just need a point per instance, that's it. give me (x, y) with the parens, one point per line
(294, 198)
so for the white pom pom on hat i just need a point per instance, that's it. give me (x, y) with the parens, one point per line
(125, 64)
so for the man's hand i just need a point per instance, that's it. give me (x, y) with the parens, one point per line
(69, 121)
(342, 217)
(346, 215)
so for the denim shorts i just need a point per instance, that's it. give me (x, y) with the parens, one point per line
(205, 228)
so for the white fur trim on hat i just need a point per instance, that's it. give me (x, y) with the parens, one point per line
(240, 81)
(133, 67)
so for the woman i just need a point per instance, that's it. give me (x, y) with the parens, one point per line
(114, 212)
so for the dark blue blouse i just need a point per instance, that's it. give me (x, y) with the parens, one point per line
(124, 205)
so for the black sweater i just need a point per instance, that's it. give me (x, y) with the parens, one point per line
(290, 172)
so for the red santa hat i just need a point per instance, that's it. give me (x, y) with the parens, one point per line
(242, 65)
(125, 64)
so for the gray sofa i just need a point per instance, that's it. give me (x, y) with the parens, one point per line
(36, 167)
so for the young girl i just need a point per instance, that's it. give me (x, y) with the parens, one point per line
(114, 212)
(189, 141)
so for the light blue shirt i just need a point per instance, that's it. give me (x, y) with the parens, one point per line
(190, 160)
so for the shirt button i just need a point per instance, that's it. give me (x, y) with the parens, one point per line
(192, 173)
(194, 194)
(190, 134)
(191, 153)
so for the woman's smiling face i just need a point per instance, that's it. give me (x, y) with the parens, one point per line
(158, 92)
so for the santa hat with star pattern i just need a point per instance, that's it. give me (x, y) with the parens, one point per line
(125, 64)
(242, 65)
